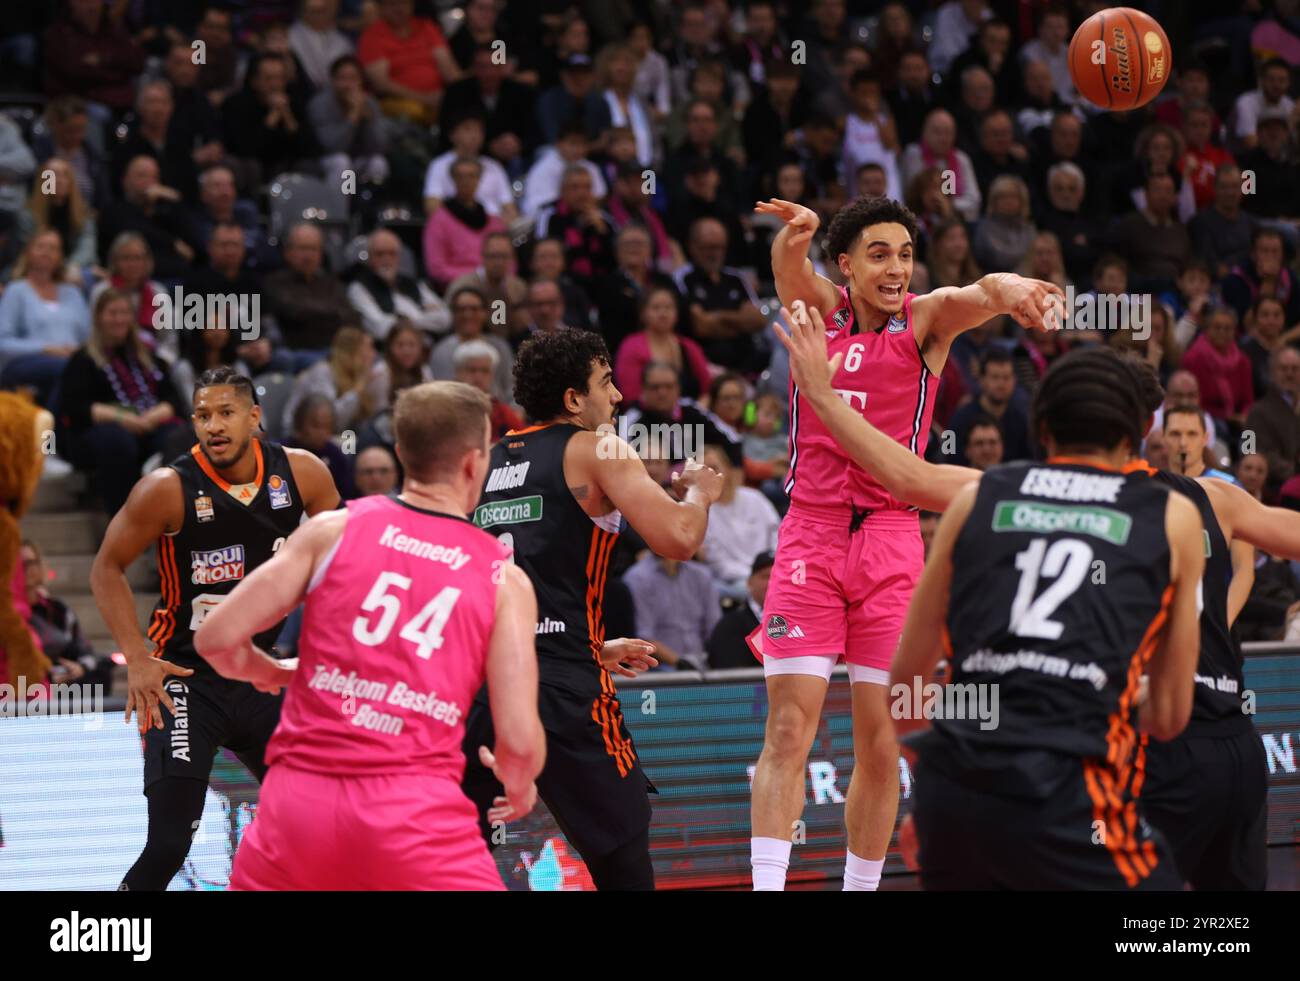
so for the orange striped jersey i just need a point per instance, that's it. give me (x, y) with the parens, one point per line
(1060, 593)
(529, 507)
(226, 533)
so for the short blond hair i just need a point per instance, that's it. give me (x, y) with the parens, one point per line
(436, 424)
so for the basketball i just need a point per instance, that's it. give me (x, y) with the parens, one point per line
(1120, 58)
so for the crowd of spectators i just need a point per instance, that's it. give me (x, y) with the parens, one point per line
(519, 167)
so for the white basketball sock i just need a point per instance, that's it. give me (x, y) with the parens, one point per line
(861, 875)
(769, 858)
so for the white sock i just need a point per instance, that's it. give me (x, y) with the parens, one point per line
(860, 874)
(769, 858)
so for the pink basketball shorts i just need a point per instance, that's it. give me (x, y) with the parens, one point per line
(838, 593)
(401, 831)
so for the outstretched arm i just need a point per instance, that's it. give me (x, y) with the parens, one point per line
(903, 473)
(1276, 530)
(939, 316)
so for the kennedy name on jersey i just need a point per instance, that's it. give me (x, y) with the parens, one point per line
(393, 538)
(1071, 485)
(507, 478)
(217, 565)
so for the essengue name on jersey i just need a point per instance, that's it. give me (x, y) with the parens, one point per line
(1070, 485)
(217, 565)
(456, 557)
(507, 478)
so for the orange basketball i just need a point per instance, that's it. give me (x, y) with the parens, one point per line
(1120, 58)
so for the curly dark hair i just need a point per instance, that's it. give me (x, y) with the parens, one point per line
(847, 225)
(1080, 404)
(551, 363)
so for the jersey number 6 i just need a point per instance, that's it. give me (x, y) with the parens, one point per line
(424, 629)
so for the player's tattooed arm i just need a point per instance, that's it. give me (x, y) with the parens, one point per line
(315, 482)
(155, 508)
(905, 475)
(1173, 665)
(924, 641)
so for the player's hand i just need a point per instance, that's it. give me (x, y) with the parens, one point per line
(516, 803)
(145, 677)
(802, 222)
(1035, 304)
(270, 675)
(908, 845)
(628, 656)
(806, 342)
(696, 474)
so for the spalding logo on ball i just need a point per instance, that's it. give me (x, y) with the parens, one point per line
(1120, 58)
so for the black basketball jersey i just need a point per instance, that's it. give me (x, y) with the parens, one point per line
(1060, 588)
(1220, 682)
(527, 504)
(220, 541)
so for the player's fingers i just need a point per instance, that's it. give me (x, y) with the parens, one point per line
(781, 335)
(486, 758)
(130, 706)
(170, 668)
(157, 717)
(166, 700)
(836, 362)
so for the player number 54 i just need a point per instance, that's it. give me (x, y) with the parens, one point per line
(424, 630)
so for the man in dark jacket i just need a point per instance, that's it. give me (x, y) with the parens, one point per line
(726, 646)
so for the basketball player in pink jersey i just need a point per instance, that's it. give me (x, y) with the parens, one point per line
(409, 609)
(848, 553)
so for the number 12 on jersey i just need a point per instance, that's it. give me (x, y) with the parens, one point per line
(424, 630)
(1066, 562)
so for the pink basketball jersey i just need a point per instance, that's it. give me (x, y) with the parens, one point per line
(883, 377)
(393, 646)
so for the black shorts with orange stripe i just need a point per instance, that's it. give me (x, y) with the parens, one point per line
(1069, 837)
(211, 712)
(592, 783)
